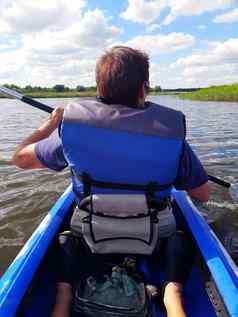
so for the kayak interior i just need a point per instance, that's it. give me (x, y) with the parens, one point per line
(28, 287)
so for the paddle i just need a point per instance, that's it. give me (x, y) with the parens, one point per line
(219, 181)
(9, 92)
(30, 101)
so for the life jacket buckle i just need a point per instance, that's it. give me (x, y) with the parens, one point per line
(152, 187)
(87, 183)
(154, 216)
(86, 219)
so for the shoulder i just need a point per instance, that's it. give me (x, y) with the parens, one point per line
(50, 152)
(164, 109)
(168, 117)
(191, 173)
(81, 108)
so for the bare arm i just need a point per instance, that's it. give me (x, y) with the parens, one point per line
(201, 193)
(24, 156)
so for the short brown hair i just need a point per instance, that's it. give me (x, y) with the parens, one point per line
(120, 73)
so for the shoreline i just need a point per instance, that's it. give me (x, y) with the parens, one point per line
(192, 98)
(55, 94)
(226, 93)
(185, 96)
(218, 98)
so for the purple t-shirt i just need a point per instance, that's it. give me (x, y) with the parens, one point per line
(50, 152)
(191, 173)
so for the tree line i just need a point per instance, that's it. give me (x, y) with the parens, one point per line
(56, 88)
(80, 88)
(61, 88)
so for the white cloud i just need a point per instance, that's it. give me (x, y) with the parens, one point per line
(93, 31)
(217, 65)
(152, 28)
(4, 27)
(228, 17)
(176, 77)
(222, 53)
(67, 55)
(11, 63)
(23, 16)
(202, 27)
(210, 75)
(147, 12)
(160, 44)
(71, 72)
(162, 75)
(58, 41)
(5, 4)
(8, 43)
(143, 11)
(194, 7)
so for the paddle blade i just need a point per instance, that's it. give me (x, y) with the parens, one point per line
(10, 92)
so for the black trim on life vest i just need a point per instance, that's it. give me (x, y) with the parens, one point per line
(88, 182)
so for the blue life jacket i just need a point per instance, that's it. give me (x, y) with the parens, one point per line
(117, 148)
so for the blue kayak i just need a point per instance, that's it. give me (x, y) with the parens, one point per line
(28, 287)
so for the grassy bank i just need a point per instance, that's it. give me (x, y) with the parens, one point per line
(69, 94)
(53, 94)
(215, 93)
(64, 94)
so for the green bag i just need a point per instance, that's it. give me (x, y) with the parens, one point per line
(118, 294)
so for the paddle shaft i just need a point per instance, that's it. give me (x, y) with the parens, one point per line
(29, 101)
(48, 109)
(219, 181)
(37, 104)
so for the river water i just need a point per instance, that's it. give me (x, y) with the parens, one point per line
(26, 195)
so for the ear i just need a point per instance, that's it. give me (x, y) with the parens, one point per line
(141, 96)
(141, 93)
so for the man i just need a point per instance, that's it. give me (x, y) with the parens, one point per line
(119, 138)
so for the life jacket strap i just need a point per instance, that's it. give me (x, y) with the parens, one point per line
(88, 182)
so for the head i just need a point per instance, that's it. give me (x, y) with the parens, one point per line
(122, 76)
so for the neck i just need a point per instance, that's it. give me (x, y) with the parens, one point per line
(141, 103)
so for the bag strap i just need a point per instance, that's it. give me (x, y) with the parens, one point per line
(88, 182)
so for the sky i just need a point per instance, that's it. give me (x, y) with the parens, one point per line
(191, 43)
